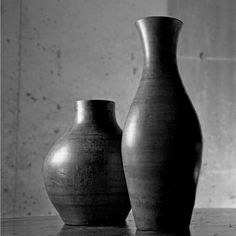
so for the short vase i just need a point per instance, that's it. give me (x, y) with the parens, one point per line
(83, 172)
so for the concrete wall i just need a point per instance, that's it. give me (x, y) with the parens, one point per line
(55, 52)
(63, 51)
(207, 63)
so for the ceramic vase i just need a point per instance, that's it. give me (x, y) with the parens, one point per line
(83, 172)
(162, 141)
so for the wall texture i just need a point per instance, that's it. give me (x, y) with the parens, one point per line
(207, 63)
(63, 51)
(56, 52)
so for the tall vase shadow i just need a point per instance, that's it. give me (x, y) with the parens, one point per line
(158, 233)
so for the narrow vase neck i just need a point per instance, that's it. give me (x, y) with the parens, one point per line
(94, 111)
(159, 37)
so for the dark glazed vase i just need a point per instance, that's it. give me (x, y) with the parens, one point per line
(83, 172)
(162, 142)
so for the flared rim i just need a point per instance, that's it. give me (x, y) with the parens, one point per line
(158, 18)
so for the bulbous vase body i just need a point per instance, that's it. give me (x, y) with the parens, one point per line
(83, 172)
(162, 142)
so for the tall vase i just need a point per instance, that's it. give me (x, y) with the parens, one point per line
(83, 172)
(162, 142)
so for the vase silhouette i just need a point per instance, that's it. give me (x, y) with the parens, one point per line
(83, 172)
(162, 141)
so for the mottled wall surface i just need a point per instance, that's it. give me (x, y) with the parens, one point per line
(56, 52)
(207, 64)
(9, 103)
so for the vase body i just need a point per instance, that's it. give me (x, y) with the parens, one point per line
(162, 142)
(83, 172)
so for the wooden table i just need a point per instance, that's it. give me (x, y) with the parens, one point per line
(205, 222)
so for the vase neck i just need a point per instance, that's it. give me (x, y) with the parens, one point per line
(159, 37)
(94, 111)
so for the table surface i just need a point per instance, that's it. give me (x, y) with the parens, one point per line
(205, 222)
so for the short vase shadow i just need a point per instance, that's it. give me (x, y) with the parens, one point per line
(120, 229)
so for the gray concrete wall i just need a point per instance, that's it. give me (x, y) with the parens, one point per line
(55, 52)
(59, 52)
(10, 71)
(207, 63)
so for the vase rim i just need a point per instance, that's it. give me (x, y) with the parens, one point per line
(158, 17)
(98, 101)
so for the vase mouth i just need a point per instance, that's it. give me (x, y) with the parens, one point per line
(148, 18)
(94, 109)
(95, 103)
